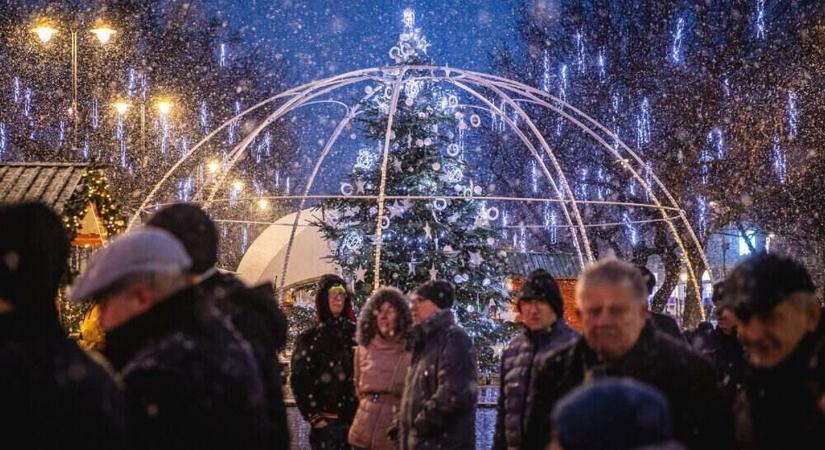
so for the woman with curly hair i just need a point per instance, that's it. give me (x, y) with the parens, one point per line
(381, 361)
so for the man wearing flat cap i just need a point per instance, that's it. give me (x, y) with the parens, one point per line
(542, 312)
(190, 381)
(782, 330)
(439, 401)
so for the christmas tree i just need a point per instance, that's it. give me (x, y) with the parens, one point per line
(432, 226)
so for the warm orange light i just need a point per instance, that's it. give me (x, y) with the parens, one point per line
(103, 33)
(44, 32)
(164, 106)
(121, 107)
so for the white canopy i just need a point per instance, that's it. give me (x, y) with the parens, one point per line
(264, 260)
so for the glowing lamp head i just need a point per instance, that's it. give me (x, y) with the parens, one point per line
(121, 107)
(164, 107)
(44, 32)
(213, 166)
(263, 204)
(237, 185)
(103, 34)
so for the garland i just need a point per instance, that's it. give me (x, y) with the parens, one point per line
(93, 188)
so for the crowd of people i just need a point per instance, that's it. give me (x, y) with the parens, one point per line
(188, 356)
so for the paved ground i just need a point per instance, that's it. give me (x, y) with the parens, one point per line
(485, 421)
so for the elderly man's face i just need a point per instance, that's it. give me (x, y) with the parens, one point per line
(612, 317)
(119, 307)
(769, 338)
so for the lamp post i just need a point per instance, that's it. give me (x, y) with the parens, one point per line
(45, 32)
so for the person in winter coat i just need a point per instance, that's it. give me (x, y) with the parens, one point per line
(381, 362)
(613, 414)
(322, 367)
(545, 331)
(661, 321)
(253, 311)
(619, 341)
(190, 380)
(439, 402)
(722, 347)
(52, 394)
(782, 329)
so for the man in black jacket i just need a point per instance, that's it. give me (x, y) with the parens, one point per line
(782, 329)
(190, 381)
(253, 311)
(619, 341)
(52, 394)
(439, 402)
(322, 367)
(542, 312)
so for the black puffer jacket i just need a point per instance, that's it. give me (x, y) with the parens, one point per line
(701, 416)
(52, 394)
(255, 314)
(191, 381)
(518, 360)
(439, 402)
(322, 361)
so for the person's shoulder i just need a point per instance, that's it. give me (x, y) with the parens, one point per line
(679, 354)
(307, 335)
(559, 359)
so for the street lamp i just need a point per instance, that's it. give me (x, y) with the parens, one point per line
(103, 33)
(213, 166)
(45, 32)
(164, 106)
(121, 106)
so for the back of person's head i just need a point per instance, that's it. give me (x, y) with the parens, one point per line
(612, 413)
(34, 250)
(649, 278)
(322, 311)
(440, 292)
(194, 229)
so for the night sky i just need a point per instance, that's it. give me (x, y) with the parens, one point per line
(320, 38)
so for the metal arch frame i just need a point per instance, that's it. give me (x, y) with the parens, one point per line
(503, 88)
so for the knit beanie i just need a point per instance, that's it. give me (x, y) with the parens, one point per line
(541, 286)
(439, 292)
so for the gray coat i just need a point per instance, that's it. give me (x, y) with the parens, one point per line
(518, 361)
(439, 402)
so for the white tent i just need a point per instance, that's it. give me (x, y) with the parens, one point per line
(264, 260)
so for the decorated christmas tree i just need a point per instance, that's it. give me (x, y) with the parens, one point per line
(432, 225)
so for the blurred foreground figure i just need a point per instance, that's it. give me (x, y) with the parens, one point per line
(545, 331)
(52, 394)
(613, 414)
(619, 341)
(253, 311)
(783, 332)
(190, 381)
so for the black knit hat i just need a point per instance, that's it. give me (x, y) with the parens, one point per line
(540, 285)
(759, 283)
(439, 292)
(194, 229)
